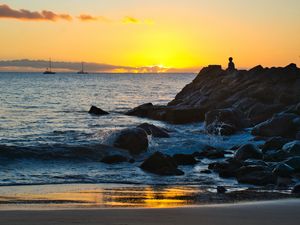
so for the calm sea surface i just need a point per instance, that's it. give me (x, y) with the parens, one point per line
(44, 120)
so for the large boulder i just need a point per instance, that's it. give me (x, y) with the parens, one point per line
(260, 177)
(296, 189)
(275, 143)
(224, 121)
(280, 125)
(161, 164)
(283, 170)
(97, 111)
(184, 159)
(141, 111)
(292, 148)
(154, 130)
(248, 151)
(294, 162)
(135, 140)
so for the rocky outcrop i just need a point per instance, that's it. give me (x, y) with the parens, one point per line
(259, 93)
(97, 111)
(134, 140)
(161, 164)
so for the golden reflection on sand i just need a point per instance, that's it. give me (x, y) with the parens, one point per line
(148, 197)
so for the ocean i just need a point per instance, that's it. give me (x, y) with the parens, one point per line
(44, 120)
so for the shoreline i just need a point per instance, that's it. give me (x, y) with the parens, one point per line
(109, 196)
(285, 212)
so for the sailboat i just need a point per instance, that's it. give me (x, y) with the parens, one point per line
(49, 69)
(82, 69)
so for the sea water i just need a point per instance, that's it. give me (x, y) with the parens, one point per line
(44, 120)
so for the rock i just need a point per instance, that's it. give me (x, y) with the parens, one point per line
(184, 115)
(292, 148)
(97, 111)
(113, 159)
(296, 189)
(248, 151)
(275, 143)
(294, 162)
(261, 178)
(280, 125)
(161, 164)
(255, 162)
(283, 170)
(206, 171)
(224, 121)
(212, 154)
(298, 136)
(134, 140)
(141, 111)
(259, 93)
(226, 169)
(184, 159)
(275, 156)
(221, 190)
(154, 130)
(244, 170)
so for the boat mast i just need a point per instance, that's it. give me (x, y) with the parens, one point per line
(50, 64)
(82, 66)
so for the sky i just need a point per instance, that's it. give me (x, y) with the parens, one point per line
(155, 36)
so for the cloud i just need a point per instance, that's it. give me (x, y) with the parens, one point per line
(23, 14)
(134, 20)
(129, 19)
(88, 18)
(26, 65)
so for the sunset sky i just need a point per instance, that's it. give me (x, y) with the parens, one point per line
(168, 35)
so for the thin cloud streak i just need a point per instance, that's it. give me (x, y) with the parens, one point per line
(23, 14)
(26, 65)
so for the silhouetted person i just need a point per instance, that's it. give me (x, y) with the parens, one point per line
(231, 66)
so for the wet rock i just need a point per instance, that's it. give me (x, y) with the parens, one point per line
(275, 143)
(206, 171)
(141, 111)
(184, 115)
(254, 162)
(296, 189)
(275, 156)
(248, 151)
(184, 159)
(226, 169)
(221, 190)
(212, 154)
(260, 177)
(161, 164)
(134, 140)
(280, 125)
(244, 170)
(97, 111)
(292, 148)
(294, 162)
(113, 159)
(283, 170)
(154, 130)
(224, 121)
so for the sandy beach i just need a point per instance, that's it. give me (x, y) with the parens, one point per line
(285, 212)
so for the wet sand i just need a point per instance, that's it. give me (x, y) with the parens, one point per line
(283, 212)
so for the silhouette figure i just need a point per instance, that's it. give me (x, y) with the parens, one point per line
(231, 66)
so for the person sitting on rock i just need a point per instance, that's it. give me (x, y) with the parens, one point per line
(231, 66)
